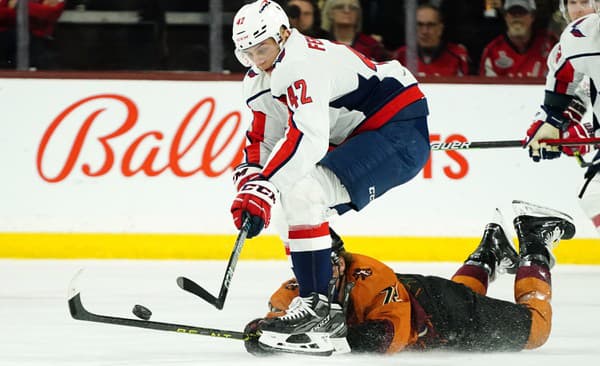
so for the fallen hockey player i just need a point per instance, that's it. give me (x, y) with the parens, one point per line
(373, 309)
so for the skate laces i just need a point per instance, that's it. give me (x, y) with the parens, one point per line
(298, 308)
(552, 238)
(504, 265)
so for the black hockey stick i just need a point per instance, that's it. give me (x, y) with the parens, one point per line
(192, 287)
(463, 145)
(79, 312)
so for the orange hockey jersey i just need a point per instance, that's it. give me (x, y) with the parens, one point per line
(377, 295)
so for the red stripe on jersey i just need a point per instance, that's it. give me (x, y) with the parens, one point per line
(564, 76)
(256, 135)
(285, 152)
(384, 114)
(310, 232)
(282, 99)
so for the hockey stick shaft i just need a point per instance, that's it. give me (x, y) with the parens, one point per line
(79, 312)
(464, 145)
(218, 302)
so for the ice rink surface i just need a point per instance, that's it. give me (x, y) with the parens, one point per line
(36, 328)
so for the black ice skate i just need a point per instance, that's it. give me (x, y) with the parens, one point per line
(540, 229)
(495, 252)
(311, 325)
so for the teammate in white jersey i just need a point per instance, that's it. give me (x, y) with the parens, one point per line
(332, 131)
(574, 62)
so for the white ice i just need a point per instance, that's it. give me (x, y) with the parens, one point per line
(36, 328)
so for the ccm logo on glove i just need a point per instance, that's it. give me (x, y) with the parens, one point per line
(256, 198)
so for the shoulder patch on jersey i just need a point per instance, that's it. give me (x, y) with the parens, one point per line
(575, 31)
(558, 53)
(362, 273)
(251, 73)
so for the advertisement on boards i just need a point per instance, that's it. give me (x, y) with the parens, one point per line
(136, 156)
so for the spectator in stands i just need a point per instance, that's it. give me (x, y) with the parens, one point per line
(472, 23)
(386, 19)
(43, 15)
(343, 20)
(521, 51)
(305, 16)
(436, 57)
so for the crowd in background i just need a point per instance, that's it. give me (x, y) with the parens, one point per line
(454, 37)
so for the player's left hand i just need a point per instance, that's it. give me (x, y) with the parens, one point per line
(575, 130)
(540, 130)
(256, 197)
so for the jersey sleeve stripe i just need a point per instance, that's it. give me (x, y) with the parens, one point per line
(255, 135)
(410, 95)
(286, 151)
(564, 76)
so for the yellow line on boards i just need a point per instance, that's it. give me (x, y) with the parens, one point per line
(188, 246)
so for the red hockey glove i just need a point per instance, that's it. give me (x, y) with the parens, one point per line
(256, 198)
(245, 172)
(540, 130)
(575, 130)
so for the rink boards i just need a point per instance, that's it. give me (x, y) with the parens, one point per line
(141, 169)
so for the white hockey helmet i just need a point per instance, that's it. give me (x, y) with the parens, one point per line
(562, 5)
(256, 22)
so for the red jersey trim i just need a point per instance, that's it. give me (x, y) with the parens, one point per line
(310, 232)
(383, 115)
(564, 76)
(286, 151)
(255, 135)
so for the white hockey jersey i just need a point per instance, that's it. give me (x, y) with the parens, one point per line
(318, 95)
(575, 60)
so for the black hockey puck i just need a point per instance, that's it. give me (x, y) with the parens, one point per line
(141, 312)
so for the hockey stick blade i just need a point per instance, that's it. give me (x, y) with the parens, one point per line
(464, 145)
(79, 312)
(190, 286)
(218, 302)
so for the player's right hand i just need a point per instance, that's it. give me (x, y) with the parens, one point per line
(256, 199)
(540, 130)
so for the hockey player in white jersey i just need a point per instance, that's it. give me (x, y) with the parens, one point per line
(332, 131)
(574, 74)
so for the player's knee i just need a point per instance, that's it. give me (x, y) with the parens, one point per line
(308, 201)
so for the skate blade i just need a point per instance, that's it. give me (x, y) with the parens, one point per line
(523, 208)
(498, 219)
(505, 265)
(314, 344)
